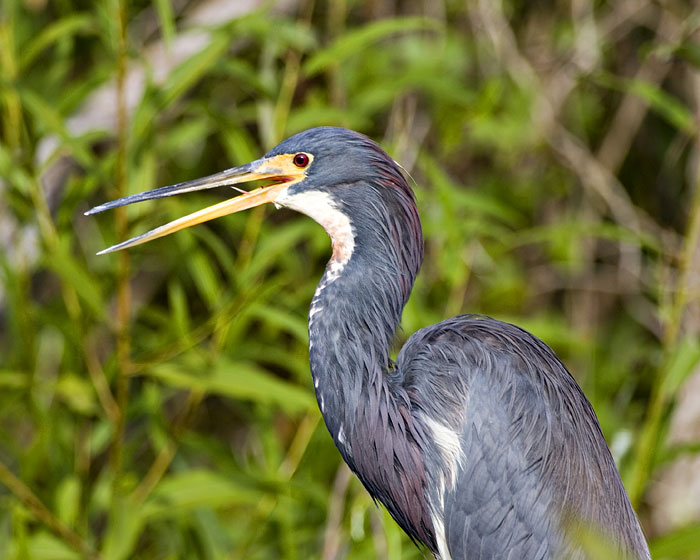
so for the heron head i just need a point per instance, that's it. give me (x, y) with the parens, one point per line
(305, 172)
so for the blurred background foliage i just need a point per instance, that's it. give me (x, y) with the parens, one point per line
(157, 403)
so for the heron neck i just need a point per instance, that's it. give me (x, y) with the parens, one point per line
(354, 316)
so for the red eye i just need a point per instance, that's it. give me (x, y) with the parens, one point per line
(301, 160)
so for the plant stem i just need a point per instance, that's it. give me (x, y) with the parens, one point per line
(30, 500)
(123, 286)
(672, 333)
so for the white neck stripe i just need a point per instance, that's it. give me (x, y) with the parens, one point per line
(320, 207)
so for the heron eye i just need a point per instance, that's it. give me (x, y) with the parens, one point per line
(301, 160)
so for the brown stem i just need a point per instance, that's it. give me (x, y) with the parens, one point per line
(123, 286)
(30, 500)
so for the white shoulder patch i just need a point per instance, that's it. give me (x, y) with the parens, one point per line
(447, 441)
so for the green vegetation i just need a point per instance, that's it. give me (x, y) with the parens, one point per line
(157, 403)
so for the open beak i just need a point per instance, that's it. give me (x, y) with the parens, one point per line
(276, 168)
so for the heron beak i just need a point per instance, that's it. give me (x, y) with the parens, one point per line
(277, 168)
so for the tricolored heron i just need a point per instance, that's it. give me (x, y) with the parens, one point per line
(477, 440)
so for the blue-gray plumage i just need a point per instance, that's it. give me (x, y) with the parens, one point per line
(477, 440)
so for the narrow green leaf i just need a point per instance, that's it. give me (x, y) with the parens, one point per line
(64, 27)
(469, 200)
(68, 499)
(275, 243)
(13, 379)
(292, 323)
(75, 275)
(188, 490)
(358, 41)
(167, 20)
(77, 393)
(52, 121)
(677, 544)
(574, 229)
(44, 546)
(205, 277)
(665, 104)
(691, 52)
(143, 175)
(14, 174)
(685, 358)
(179, 307)
(194, 68)
(238, 380)
(246, 76)
(126, 523)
